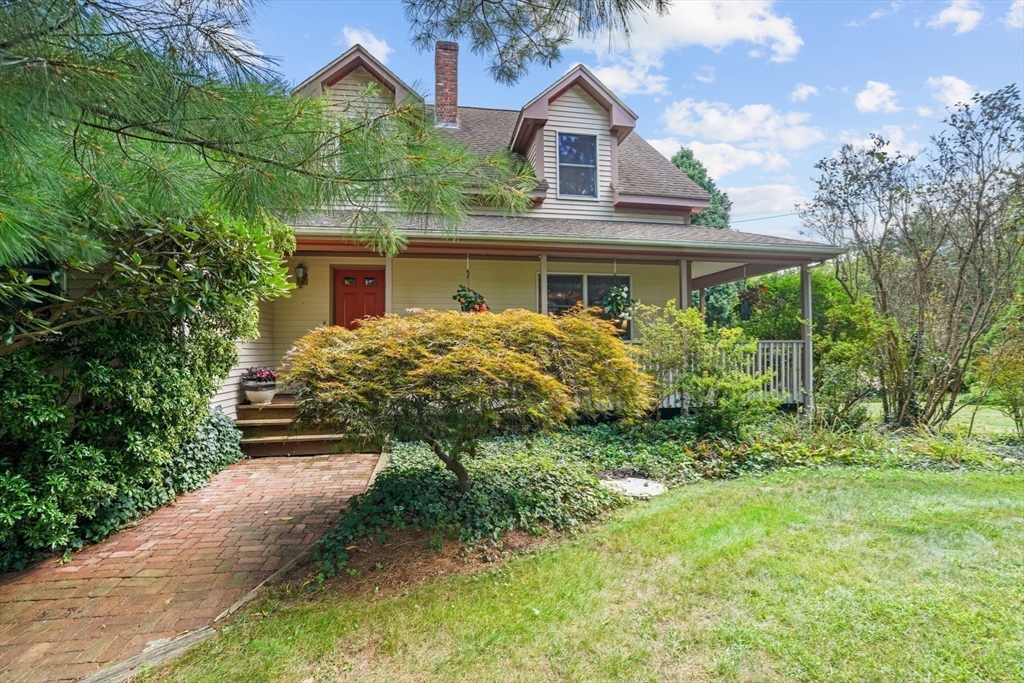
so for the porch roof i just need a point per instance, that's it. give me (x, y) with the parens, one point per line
(603, 234)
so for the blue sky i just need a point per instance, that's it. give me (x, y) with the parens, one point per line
(761, 90)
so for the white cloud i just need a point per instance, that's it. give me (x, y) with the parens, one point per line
(802, 92)
(713, 24)
(627, 67)
(667, 146)
(951, 90)
(879, 13)
(633, 78)
(964, 14)
(877, 97)
(758, 126)
(721, 158)
(1015, 17)
(762, 199)
(377, 47)
(894, 7)
(705, 74)
(924, 111)
(897, 137)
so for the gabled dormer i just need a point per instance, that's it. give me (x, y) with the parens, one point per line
(579, 137)
(348, 76)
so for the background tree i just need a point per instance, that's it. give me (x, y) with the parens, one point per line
(719, 300)
(450, 379)
(937, 246)
(716, 215)
(1000, 367)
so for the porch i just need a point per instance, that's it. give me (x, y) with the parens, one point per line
(543, 277)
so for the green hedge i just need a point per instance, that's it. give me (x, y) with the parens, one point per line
(214, 445)
(101, 424)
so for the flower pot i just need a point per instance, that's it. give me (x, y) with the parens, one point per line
(259, 393)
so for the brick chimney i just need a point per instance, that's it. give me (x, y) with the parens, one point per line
(446, 89)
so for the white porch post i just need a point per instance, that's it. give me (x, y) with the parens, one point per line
(544, 284)
(685, 273)
(703, 301)
(389, 279)
(805, 333)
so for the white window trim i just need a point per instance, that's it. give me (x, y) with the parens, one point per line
(597, 171)
(586, 290)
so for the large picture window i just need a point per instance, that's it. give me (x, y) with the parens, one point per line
(577, 165)
(565, 291)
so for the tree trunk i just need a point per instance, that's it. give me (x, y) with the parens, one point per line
(454, 465)
(451, 463)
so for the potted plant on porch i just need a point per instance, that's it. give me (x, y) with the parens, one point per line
(260, 385)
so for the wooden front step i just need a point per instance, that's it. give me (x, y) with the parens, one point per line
(282, 427)
(271, 430)
(278, 410)
(295, 444)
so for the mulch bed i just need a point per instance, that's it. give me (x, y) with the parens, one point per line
(408, 559)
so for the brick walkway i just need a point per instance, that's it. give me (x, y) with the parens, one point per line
(173, 572)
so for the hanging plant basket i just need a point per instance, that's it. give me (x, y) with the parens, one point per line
(470, 300)
(618, 306)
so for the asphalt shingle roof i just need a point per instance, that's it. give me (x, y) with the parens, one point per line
(576, 230)
(644, 171)
(484, 131)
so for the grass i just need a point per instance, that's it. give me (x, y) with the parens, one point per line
(988, 421)
(831, 575)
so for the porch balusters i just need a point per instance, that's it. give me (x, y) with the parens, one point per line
(780, 361)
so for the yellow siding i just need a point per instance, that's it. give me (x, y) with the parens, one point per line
(352, 87)
(652, 284)
(430, 283)
(251, 352)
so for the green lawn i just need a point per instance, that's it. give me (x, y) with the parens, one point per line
(989, 421)
(824, 576)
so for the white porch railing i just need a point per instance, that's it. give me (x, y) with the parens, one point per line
(780, 362)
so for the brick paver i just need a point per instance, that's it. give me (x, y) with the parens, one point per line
(174, 571)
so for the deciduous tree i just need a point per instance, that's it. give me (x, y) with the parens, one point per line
(936, 243)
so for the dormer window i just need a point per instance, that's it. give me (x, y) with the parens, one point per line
(577, 165)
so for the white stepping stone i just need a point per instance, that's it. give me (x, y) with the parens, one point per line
(634, 487)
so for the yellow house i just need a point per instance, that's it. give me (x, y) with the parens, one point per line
(609, 210)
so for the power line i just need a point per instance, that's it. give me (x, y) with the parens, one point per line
(764, 218)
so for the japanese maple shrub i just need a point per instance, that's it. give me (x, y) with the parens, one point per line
(450, 379)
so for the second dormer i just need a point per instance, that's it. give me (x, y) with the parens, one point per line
(579, 137)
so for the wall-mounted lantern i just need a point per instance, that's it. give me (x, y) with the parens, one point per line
(301, 275)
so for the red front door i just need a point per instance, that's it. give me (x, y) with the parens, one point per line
(357, 294)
